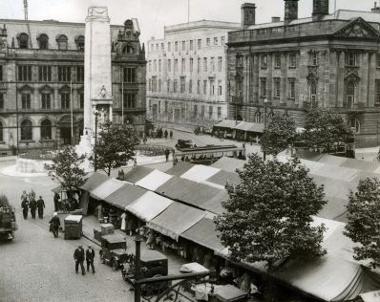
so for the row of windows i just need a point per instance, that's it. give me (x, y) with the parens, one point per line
(188, 45)
(43, 41)
(205, 64)
(291, 87)
(206, 87)
(26, 130)
(45, 72)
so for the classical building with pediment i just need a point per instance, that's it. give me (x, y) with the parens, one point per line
(42, 82)
(330, 61)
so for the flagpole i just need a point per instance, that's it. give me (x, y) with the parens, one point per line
(71, 112)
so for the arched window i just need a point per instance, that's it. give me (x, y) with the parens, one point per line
(45, 129)
(43, 41)
(80, 43)
(350, 94)
(23, 40)
(62, 42)
(1, 132)
(26, 130)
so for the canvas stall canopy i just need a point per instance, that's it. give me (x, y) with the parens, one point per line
(95, 180)
(176, 219)
(153, 180)
(225, 124)
(137, 173)
(249, 127)
(200, 173)
(148, 206)
(224, 177)
(229, 164)
(106, 188)
(125, 195)
(180, 168)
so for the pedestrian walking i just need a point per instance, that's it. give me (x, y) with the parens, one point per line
(55, 224)
(56, 202)
(79, 259)
(166, 134)
(171, 134)
(33, 207)
(40, 207)
(90, 256)
(25, 207)
(167, 152)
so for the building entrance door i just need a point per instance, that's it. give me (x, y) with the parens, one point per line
(65, 135)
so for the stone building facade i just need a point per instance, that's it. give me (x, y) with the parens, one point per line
(186, 74)
(42, 82)
(331, 61)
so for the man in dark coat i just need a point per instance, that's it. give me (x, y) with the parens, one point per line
(40, 207)
(33, 207)
(90, 256)
(54, 224)
(25, 207)
(56, 201)
(79, 259)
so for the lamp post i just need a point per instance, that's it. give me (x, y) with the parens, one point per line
(265, 122)
(96, 112)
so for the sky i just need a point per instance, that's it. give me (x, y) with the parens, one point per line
(153, 15)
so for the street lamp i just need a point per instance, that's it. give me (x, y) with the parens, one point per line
(265, 122)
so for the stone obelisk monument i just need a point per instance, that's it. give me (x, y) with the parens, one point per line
(97, 77)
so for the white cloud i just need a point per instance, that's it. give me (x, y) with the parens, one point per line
(154, 14)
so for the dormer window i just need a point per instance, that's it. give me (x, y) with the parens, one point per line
(62, 42)
(23, 40)
(43, 41)
(80, 43)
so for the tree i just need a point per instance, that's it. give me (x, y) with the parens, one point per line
(66, 169)
(115, 146)
(268, 215)
(279, 134)
(325, 130)
(363, 224)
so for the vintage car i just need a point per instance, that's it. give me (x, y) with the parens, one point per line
(184, 143)
(114, 250)
(153, 264)
(7, 219)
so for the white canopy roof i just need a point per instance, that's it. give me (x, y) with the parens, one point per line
(153, 180)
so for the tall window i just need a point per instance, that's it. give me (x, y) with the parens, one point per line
(204, 64)
(65, 101)
(183, 66)
(130, 100)
(199, 65)
(23, 41)
(291, 88)
(313, 93)
(350, 94)
(129, 74)
(44, 73)
(1, 132)
(62, 42)
(220, 88)
(80, 74)
(351, 59)
(277, 61)
(276, 88)
(159, 85)
(292, 60)
(1, 73)
(199, 87)
(191, 45)
(220, 64)
(169, 65)
(25, 101)
(191, 86)
(210, 112)
(168, 85)
(377, 96)
(45, 129)
(212, 87)
(183, 45)
(219, 112)
(208, 41)
(1, 100)
(175, 86)
(199, 43)
(264, 62)
(215, 40)
(204, 87)
(154, 84)
(175, 65)
(263, 87)
(24, 72)
(191, 64)
(195, 111)
(159, 65)
(80, 43)
(183, 84)
(203, 111)
(43, 41)
(314, 58)
(212, 64)
(26, 130)
(176, 46)
(64, 73)
(45, 101)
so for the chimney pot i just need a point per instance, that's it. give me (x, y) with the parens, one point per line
(248, 14)
(320, 9)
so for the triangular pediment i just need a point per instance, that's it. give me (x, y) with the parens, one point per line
(65, 89)
(357, 29)
(26, 89)
(46, 89)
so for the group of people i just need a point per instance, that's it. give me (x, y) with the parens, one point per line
(80, 256)
(159, 133)
(28, 201)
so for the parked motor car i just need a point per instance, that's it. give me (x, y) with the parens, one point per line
(114, 250)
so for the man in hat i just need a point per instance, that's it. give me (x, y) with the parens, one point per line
(40, 207)
(25, 206)
(33, 207)
(79, 259)
(90, 256)
(55, 224)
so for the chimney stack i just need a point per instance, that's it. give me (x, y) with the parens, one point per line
(276, 19)
(248, 14)
(375, 9)
(320, 9)
(291, 11)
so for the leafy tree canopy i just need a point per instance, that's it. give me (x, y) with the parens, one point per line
(279, 134)
(325, 130)
(115, 146)
(268, 216)
(66, 169)
(364, 220)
